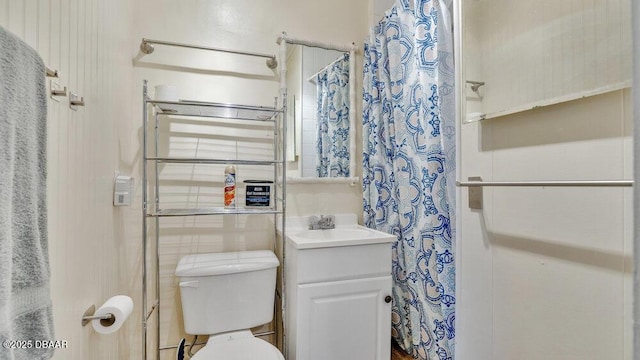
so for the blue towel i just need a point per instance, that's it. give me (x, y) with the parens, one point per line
(25, 300)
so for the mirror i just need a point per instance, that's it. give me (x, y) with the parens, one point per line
(319, 112)
(521, 55)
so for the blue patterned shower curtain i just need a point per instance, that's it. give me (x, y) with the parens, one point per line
(332, 142)
(409, 168)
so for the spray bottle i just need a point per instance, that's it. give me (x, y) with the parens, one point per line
(230, 187)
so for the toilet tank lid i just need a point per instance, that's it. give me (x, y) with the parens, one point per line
(226, 263)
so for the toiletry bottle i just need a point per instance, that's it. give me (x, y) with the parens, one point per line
(230, 187)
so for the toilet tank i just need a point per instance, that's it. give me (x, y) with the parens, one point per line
(230, 291)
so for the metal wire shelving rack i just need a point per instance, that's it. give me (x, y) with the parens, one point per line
(152, 210)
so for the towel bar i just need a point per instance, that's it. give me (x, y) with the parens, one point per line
(475, 185)
(555, 183)
(146, 47)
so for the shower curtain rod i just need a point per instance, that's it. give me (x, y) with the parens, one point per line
(312, 78)
(557, 183)
(316, 44)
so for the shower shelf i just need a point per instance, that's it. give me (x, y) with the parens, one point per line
(216, 110)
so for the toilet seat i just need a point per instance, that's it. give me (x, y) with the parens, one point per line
(241, 345)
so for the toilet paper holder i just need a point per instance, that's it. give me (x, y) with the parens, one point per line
(89, 314)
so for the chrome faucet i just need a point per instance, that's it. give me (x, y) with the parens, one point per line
(322, 222)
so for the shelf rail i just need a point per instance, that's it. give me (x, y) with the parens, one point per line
(146, 46)
(212, 161)
(215, 104)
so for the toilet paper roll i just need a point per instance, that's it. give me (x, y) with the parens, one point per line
(166, 93)
(120, 306)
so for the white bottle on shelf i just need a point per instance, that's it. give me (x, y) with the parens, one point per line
(230, 187)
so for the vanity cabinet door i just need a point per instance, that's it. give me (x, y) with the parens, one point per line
(344, 320)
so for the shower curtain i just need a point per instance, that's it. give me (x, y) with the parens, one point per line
(409, 168)
(332, 142)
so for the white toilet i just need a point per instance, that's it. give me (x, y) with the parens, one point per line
(223, 296)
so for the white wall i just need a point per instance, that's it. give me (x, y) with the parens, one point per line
(545, 273)
(93, 247)
(528, 52)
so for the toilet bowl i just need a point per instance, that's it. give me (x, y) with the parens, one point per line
(223, 296)
(239, 345)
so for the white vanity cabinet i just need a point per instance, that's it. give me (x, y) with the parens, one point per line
(338, 299)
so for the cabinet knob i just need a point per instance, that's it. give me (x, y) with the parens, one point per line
(388, 299)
